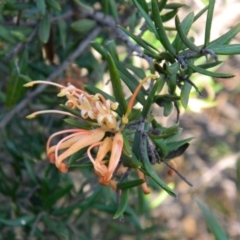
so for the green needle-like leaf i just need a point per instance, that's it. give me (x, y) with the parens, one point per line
(123, 204)
(185, 27)
(130, 184)
(226, 38)
(160, 29)
(209, 22)
(184, 37)
(44, 28)
(156, 88)
(212, 222)
(140, 41)
(208, 73)
(185, 93)
(117, 86)
(226, 49)
(146, 17)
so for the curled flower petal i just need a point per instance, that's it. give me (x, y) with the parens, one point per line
(91, 138)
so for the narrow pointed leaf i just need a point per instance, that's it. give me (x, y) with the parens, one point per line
(162, 5)
(149, 102)
(146, 17)
(185, 26)
(226, 49)
(212, 222)
(130, 184)
(175, 6)
(140, 41)
(144, 5)
(208, 73)
(160, 29)
(83, 25)
(54, 4)
(41, 5)
(226, 38)
(114, 10)
(185, 93)
(153, 174)
(131, 82)
(209, 22)
(123, 204)
(44, 28)
(21, 221)
(200, 13)
(238, 174)
(184, 37)
(77, 124)
(167, 16)
(117, 86)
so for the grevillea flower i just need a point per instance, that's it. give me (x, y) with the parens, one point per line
(97, 108)
(107, 137)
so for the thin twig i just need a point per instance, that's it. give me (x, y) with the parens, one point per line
(108, 21)
(54, 75)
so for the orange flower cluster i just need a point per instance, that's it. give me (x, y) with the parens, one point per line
(97, 108)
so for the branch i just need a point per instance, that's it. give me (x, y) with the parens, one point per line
(108, 21)
(51, 77)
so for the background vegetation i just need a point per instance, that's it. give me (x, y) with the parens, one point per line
(66, 41)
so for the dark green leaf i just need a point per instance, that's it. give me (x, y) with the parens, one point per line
(226, 38)
(208, 73)
(162, 5)
(62, 26)
(53, 4)
(238, 173)
(212, 222)
(30, 170)
(44, 28)
(130, 81)
(152, 173)
(226, 49)
(117, 86)
(161, 147)
(5, 34)
(77, 124)
(200, 13)
(114, 10)
(185, 26)
(146, 17)
(22, 221)
(146, 45)
(123, 204)
(183, 36)
(130, 184)
(185, 91)
(175, 6)
(160, 29)
(168, 16)
(156, 88)
(83, 25)
(209, 22)
(144, 5)
(41, 5)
